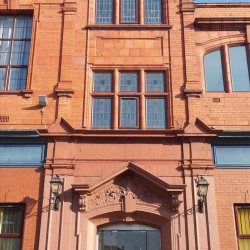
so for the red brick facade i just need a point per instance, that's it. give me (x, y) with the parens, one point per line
(67, 47)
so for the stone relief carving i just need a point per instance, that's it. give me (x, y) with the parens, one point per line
(128, 185)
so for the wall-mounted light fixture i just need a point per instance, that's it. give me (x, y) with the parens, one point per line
(43, 100)
(202, 186)
(55, 185)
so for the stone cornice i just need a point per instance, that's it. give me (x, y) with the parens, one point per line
(222, 23)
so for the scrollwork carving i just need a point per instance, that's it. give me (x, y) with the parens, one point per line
(128, 185)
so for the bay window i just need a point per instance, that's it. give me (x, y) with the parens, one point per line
(15, 37)
(134, 98)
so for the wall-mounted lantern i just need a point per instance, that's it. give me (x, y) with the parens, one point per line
(55, 185)
(202, 186)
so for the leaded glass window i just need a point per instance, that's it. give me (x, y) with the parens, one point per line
(129, 81)
(101, 117)
(128, 116)
(11, 222)
(128, 11)
(103, 81)
(104, 11)
(155, 82)
(156, 115)
(15, 35)
(153, 11)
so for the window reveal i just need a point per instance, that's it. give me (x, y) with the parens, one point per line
(15, 36)
(129, 96)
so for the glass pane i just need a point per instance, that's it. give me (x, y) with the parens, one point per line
(153, 240)
(23, 28)
(213, 71)
(6, 27)
(154, 82)
(122, 240)
(10, 218)
(10, 244)
(104, 11)
(128, 11)
(244, 220)
(156, 116)
(103, 82)
(31, 154)
(4, 52)
(153, 11)
(17, 78)
(20, 53)
(239, 68)
(234, 155)
(128, 82)
(101, 117)
(2, 78)
(244, 244)
(128, 112)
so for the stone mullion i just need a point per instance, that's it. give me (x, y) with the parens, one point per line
(142, 109)
(115, 118)
(226, 69)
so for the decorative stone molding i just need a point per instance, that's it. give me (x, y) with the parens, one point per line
(129, 180)
(187, 7)
(222, 23)
(82, 202)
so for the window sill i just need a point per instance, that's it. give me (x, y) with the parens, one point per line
(129, 26)
(26, 93)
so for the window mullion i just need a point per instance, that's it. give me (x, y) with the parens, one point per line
(142, 109)
(115, 116)
(141, 9)
(226, 69)
(116, 12)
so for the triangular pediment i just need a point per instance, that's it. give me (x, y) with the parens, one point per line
(129, 180)
(61, 126)
(134, 170)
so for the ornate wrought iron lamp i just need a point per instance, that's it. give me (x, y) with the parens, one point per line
(202, 186)
(55, 185)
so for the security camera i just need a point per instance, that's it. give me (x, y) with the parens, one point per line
(43, 100)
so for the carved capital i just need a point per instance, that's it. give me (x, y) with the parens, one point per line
(175, 202)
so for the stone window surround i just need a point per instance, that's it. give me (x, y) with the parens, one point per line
(117, 14)
(226, 68)
(142, 95)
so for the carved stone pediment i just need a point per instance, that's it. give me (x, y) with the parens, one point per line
(129, 185)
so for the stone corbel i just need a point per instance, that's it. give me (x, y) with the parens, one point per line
(175, 202)
(82, 202)
(193, 93)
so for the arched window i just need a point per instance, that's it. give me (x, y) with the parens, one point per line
(220, 77)
(128, 237)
